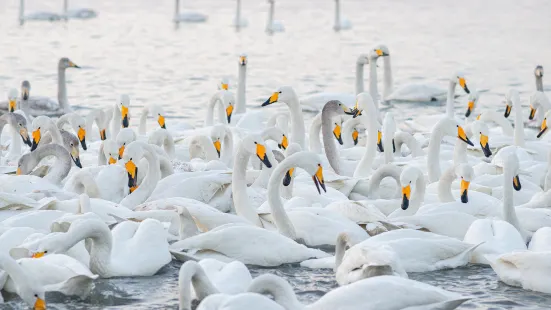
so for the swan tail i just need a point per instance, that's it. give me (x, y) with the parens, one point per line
(80, 286)
(444, 305)
(183, 257)
(460, 259)
(45, 203)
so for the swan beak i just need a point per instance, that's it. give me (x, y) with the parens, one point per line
(38, 255)
(273, 98)
(161, 121)
(82, 138)
(543, 128)
(39, 304)
(132, 174)
(36, 139)
(121, 151)
(347, 110)
(463, 85)
(379, 141)
(25, 136)
(261, 153)
(337, 133)
(485, 145)
(112, 160)
(73, 65)
(478, 117)
(11, 105)
(464, 190)
(19, 172)
(75, 156)
(406, 192)
(462, 136)
(229, 111)
(288, 177)
(516, 183)
(507, 111)
(217, 146)
(355, 135)
(25, 93)
(102, 135)
(224, 86)
(284, 143)
(470, 107)
(243, 60)
(380, 52)
(318, 179)
(124, 113)
(393, 146)
(532, 113)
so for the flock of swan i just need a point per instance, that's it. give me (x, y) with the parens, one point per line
(81, 13)
(116, 193)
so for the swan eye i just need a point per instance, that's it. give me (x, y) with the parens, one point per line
(280, 92)
(45, 252)
(130, 158)
(255, 142)
(409, 182)
(356, 269)
(36, 295)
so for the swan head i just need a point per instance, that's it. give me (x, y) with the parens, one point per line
(311, 163)
(26, 164)
(363, 59)
(25, 90)
(364, 101)
(111, 151)
(217, 134)
(535, 103)
(471, 102)
(538, 71)
(543, 127)
(224, 84)
(466, 174)
(12, 100)
(379, 51)
(254, 144)
(40, 124)
(124, 105)
(284, 94)
(79, 124)
(513, 168)
(32, 293)
(459, 78)
(20, 125)
(484, 132)
(132, 155)
(450, 127)
(124, 138)
(512, 98)
(70, 142)
(408, 177)
(243, 59)
(65, 63)
(159, 112)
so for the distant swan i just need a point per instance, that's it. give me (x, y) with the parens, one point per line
(239, 21)
(77, 13)
(341, 23)
(188, 17)
(273, 25)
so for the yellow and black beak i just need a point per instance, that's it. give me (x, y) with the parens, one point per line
(355, 135)
(532, 113)
(380, 141)
(12, 103)
(132, 170)
(318, 179)
(463, 85)
(73, 65)
(380, 52)
(75, 156)
(39, 304)
(243, 60)
(161, 121)
(507, 111)
(102, 135)
(217, 146)
(463, 136)
(516, 183)
(355, 112)
(337, 133)
(36, 139)
(543, 128)
(224, 86)
(273, 98)
(38, 255)
(470, 108)
(464, 191)
(284, 143)
(121, 151)
(112, 160)
(406, 193)
(124, 113)
(82, 138)
(485, 145)
(288, 177)
(25, 136)
(229, 111)
(261, 153)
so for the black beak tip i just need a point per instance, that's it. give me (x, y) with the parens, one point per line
(229, 118)
(217, 151)
(267, 102)
(380, 147)
(163, 127)
(287, 179)
(34, 146)
(468, 113)
(487, 151)
(77, 162)
(467, 89)
(393, 146)
(83, 144)
(25, 97)
(469, 142)
(540, 134)
(266, 161)
(125, 122)
(340, 140)
(405, 203)
(531, 116)
(464, 197)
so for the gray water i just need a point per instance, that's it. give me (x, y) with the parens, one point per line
(133, 47)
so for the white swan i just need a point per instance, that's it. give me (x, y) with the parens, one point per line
(99, 117)
(287, 95)
(239, 21)
(39, 105)
(109, 184)
(130, 250)
(46, 16)
(187, 17)
(273, 25)
(77, 123)
(341, 23)
(18, 126)
(157, 112)
(82, 13)
(524, 269)
(539, 103)
(25, 286)
(132, 155)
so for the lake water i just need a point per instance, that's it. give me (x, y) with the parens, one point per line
(133, 47)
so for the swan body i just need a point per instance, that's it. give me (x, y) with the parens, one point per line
(341, 23)
(187, 17)
(23, 283)
(524, 269)
(273, 25)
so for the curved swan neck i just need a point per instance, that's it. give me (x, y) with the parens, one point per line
(509, 212)
(14, 270)
(62, 165)
(374, 183)
(364, 167)
(445, 185)
(239, 187)
(314, 134)
(150, 180)
(500, 120)
(450, 113)
(359, 77)
(433, 156)
(143, 119)
(202, 145)
(191, 273)
(54, 132)
(86, 182)
(162, 138)
(298, 132)
(330, 111)
(216, 98)
(388, 83)
(115, 122)
(241, 87)
(402, 137)
(340, 248)
(281, 291)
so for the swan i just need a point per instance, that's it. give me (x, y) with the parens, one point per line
(273, 25)
(341, 23)
(133, 153)
(187, 17)
(156, 111)
(163, 139)
(131, 249)
(539, 103)
(99, 117)
(77, 123)
(287, 95)
(60, 168)
(108, 153)
(367, 110)
(47, 16)
(315, 128)
(315, 102)
(526, 269)
(12, 100)
(81, 13)
(236, 302)
(18, 126)
(538, 73)
(24, 284)
(197, 280)
(226, 103)
(39, 105)
(370, 294)
(110, 183)
(119, 115)
(239, 21)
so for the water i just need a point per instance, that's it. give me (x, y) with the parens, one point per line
(133, 47)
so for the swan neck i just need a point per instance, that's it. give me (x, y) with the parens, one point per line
(241, 87)
(433, 156)
(388, 83)
(281, 219)
(191, 273)
(445, 185)
(519, 125)
(227, 148)
(387, 170)
(450, 113)
(149, 182)
(62, 90)
(241, 202)
(364, 167)
(298, 132)
(62, 165)
(85, 181)
(539, 83)
(143, 119)
(509, 211)
(100, 251)
(359, 77)
(373, 83)
(314, 137)
(327, 115)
